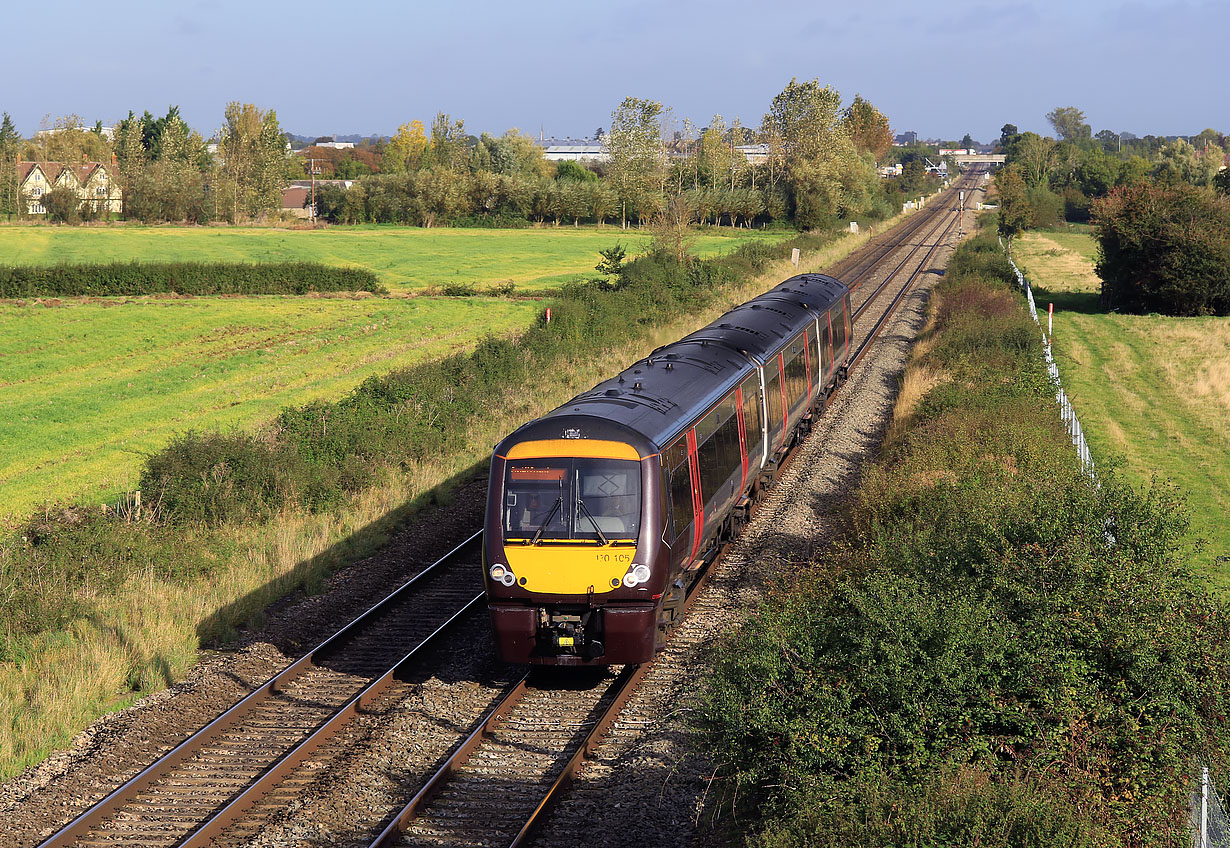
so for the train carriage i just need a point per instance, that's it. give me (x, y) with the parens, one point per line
(600, 512)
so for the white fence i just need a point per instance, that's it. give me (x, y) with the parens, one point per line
(1066, 412)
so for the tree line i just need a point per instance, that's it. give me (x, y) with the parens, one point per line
(1160, 209)
(818, 165)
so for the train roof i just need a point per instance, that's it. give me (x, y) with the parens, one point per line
(653, 398)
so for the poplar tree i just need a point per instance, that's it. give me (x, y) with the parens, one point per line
(10, 141)
(637, 166)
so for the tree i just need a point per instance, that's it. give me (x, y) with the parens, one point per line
(406, 149)
(637, 165)
(715, 154)
(1164, 248)
(823, 171)
(1069, 123)
(1014, 212)
(254, 161)
(448, 142)
(63, 205)
(1035, 155)
(10, 141)
(1181, 162)
(67, 140)
(869, 128)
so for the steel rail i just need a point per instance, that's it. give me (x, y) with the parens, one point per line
(865, 264)
(900, 296)
(888, 278)
(113, 802)
(218, 823)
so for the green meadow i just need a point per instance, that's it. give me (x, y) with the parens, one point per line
(88, 387)
(405, 258)
(1150, 389)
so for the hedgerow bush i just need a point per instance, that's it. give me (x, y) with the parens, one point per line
(1165, 249)
(189, 278)
(998, 651)
(317, 454)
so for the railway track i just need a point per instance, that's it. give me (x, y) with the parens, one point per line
(200, 788)
(496, 785)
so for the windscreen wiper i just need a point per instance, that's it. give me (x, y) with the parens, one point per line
(602, 538)
(558, 503)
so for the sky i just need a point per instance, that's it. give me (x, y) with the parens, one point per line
(940, 69)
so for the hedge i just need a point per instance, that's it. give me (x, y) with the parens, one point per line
(189, 278)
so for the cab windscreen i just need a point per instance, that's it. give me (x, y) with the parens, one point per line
(572, 498)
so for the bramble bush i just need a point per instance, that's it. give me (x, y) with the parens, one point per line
(188, 278)
(998, 650)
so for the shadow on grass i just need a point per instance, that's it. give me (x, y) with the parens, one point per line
(1086, 303)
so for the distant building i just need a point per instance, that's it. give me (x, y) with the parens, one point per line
(756, 154)
(92, 181)
(957, 151)
(107, 132)
(333, 145)
(297, 197)
(905, 139)
(576, 151)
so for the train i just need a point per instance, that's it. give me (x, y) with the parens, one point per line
(600, 513)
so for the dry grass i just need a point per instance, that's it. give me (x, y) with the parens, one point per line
(146, 636)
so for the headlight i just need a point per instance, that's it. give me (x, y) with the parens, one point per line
(636, 575)
(501, 574)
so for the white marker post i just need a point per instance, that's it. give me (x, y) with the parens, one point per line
(794, 257)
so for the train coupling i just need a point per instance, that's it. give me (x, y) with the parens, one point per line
(570, 634)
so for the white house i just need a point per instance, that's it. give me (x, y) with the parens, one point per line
(92, 181)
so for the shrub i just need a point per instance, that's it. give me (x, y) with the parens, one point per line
(1164, 249)
(190, 278)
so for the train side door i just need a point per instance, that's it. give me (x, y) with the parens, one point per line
(677, 462)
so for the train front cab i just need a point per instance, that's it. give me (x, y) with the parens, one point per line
(572, 550)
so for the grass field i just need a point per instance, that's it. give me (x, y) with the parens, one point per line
(87, 387)
(1154, 390)
(405, 258)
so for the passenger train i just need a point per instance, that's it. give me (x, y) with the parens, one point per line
(600, 513)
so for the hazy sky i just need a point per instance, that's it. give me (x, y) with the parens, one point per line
(941, 69)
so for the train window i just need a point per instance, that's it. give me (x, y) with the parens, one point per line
(753, 433)
(675, 458)
(572, 498)
(796, 376)
(773, 391)
(812, 355)
(839, 326)
(718, 455)
(826, 344)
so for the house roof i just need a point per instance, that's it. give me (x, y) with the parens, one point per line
(295, 197)
(52, 170)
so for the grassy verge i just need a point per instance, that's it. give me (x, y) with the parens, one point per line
(403, 258)
(88, 388)
(973, 663)
(135, 625)
(1152, 390)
